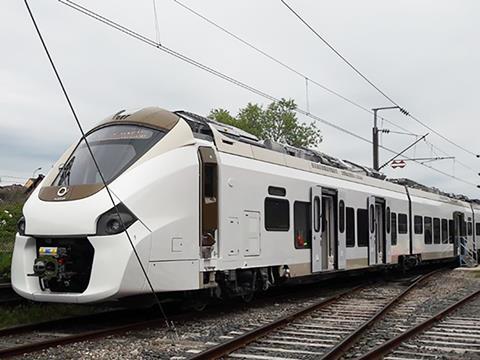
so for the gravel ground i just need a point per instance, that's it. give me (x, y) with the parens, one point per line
(206, 329)
(195, 334)
(435, 295)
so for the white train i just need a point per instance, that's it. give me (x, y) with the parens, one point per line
(213, 211)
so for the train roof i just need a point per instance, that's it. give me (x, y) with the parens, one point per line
(201, 126)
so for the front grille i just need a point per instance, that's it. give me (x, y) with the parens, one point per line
(72, 260)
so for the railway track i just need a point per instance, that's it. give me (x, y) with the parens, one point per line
(354, 311)
(29, 338)
(453, 333)
(326, 329)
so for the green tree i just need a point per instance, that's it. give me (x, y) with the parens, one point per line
(277, 122)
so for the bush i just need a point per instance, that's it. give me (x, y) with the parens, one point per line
(9, 215)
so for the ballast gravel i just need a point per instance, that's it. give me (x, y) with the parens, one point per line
(208, 329)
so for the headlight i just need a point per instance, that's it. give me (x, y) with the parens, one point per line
(21, 226)
(113, 222)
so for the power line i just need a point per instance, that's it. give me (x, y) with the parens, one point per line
(281, 63)
(84, 138)
(13, 177)
(371, 83)
(221, 75)
(292, 69)
(336, 52)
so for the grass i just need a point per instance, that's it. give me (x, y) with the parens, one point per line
(10, 213)
(5, 261)
(37, 312)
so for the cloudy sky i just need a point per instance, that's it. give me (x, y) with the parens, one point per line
(421, 53)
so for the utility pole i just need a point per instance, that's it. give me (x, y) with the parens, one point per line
(375, 132)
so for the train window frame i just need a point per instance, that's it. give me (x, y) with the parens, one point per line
(402, 223)
(444, 231)
(469, 228)
(269, 222)
(362, 228)
(418, 224)
(302, 221)
(350, 227)
(427, 230)
(341, 216)
(277, 191)
(394, 234)
(387, 220)
(436, 231)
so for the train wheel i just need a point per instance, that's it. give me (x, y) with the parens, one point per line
(248, 297)
(199, 305)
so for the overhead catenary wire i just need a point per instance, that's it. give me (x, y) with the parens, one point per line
(221, 75)
(290, 68)
(356, 70)
(104, 182)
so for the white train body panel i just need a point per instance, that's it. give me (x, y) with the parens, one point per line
(198, 212)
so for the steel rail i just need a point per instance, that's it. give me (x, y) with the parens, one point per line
(89, 335)
(80, 319)
(388, 346)
(346, 344)
(232, 345)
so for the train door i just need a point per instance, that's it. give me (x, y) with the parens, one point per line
(316, 216)
(329, 248)
(208, 202)
(379, 228)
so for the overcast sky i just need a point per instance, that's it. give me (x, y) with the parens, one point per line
(421, 53)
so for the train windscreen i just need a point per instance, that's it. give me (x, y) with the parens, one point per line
(115, 148)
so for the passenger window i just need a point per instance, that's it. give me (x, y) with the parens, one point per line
(387, 220)
(350, 233)
(427, 222)
(444, 231)
(277, 214)
(394, 229)
(470, 228)
(316, 214)
(436, 231)
(451, 231)
(402, 224)
(372, 217)
(276, 191)
(463, 228)
(418, 224)
(362, 227)
(341, 216)
(477, 228)
(302, 223)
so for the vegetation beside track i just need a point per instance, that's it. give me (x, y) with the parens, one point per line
(29, 312)
(11, 203)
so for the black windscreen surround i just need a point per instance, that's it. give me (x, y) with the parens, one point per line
(277, 214)
(115, 148)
